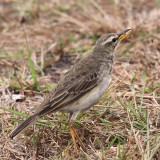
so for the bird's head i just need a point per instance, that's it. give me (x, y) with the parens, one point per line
(109, 42)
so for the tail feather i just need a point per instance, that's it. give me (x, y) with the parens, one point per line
(22, 127)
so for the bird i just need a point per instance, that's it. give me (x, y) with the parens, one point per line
(82, 86)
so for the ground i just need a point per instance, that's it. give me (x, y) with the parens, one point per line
(40, 40)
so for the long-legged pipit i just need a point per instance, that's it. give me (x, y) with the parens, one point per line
(82, 86)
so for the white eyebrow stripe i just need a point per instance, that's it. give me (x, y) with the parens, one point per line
(109, 40)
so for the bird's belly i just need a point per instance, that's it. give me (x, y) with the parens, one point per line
(89, 99)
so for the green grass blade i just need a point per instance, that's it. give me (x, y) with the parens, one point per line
(111, 144)
(31, 64)
(26, 116)
(148, 137)
(138, 116)
(14, 112)
(140, 109)
(46, 124)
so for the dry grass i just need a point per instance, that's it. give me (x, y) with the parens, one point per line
(125, 124)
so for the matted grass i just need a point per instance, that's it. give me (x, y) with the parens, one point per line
(125, 124)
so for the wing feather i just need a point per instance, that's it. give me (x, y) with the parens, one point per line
(65, 95)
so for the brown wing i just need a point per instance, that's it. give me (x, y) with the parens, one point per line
(63, 95)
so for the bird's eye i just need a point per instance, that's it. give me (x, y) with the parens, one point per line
(114, 40)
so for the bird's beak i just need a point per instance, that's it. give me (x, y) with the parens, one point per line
(123, 35)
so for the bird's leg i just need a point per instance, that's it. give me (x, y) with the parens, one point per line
(80, 141)
(73, 137)
(73, 134)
